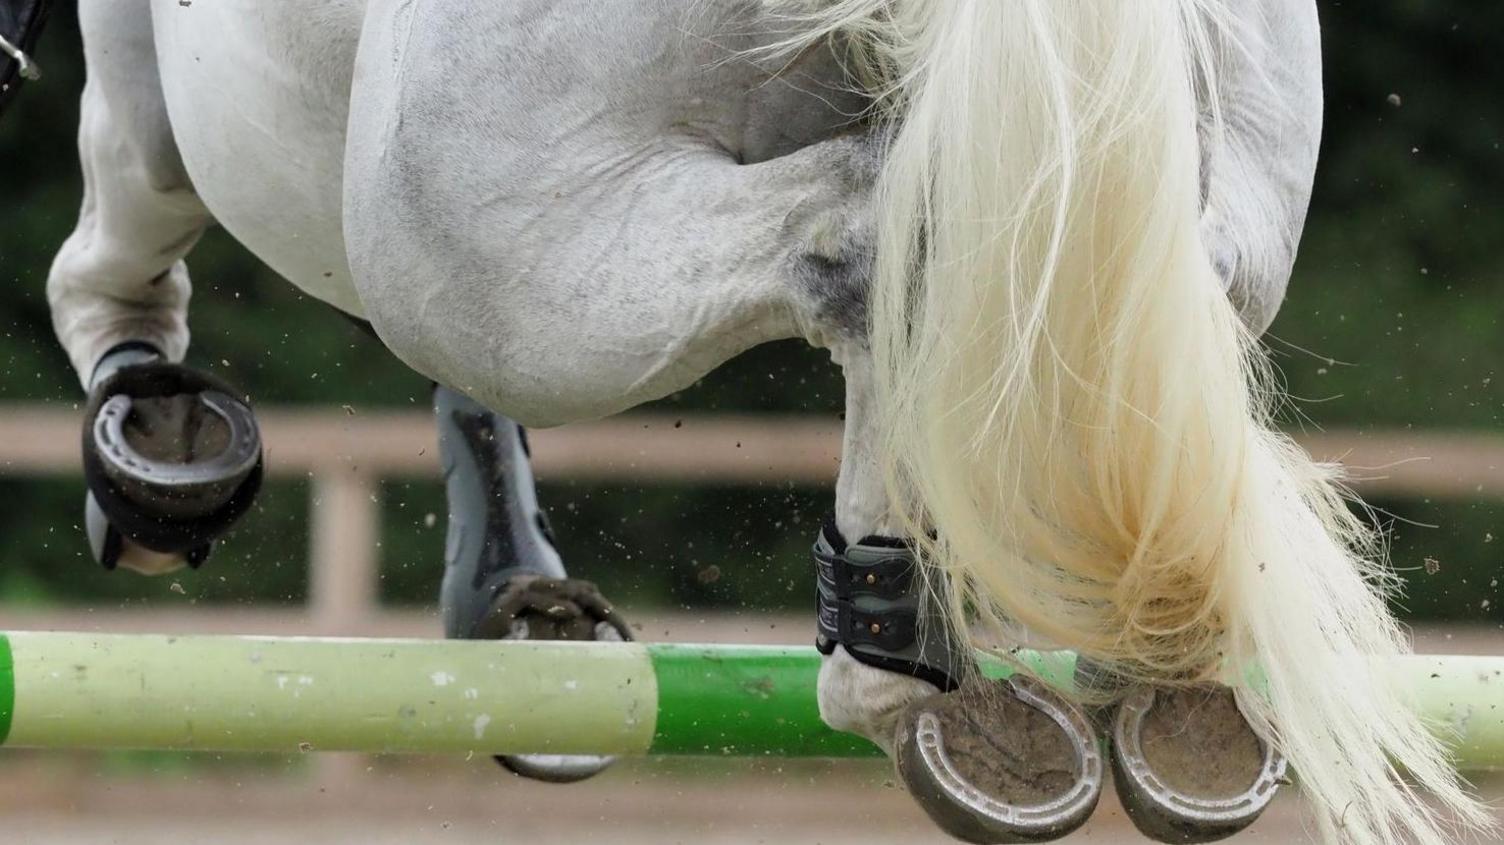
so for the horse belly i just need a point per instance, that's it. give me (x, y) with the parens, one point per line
(258, 95)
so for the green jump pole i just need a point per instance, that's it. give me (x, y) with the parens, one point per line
(66, 690)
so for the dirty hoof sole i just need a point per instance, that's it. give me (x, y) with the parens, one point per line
(1187, 765)
(1001, 762)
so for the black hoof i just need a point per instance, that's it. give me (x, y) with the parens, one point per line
(1187, 765)
(1000, 762)
(172, 458)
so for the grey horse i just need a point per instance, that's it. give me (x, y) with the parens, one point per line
(560, 210)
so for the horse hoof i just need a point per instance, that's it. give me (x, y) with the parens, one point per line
(172, 459)
(1187, 765)
(561, 768)
(1000, 762)
(531, 607)
(555, 768)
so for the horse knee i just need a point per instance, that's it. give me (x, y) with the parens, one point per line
(120, 276)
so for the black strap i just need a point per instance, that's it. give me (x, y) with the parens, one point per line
(890, 577)
(890, 630)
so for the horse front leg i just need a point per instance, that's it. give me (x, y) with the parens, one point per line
(171, 454)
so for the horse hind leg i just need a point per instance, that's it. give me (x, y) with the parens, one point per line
(989, 761)
(1011, 761)
(503, 575)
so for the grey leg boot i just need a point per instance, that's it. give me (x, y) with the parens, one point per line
(503, 577)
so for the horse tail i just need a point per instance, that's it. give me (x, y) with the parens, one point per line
(1078, 425)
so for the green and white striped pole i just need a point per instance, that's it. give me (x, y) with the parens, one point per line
(68, 690)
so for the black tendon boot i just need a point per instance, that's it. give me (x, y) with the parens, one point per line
(503, 577)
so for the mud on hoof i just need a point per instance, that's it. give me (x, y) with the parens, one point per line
(532, 607)
(1187, 765)
(1000, 762)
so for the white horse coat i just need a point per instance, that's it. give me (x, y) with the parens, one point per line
(549, 205)
(567, 208)
(564, 209)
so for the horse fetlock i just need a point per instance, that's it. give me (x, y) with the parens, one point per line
(885, 647)
(860, 699)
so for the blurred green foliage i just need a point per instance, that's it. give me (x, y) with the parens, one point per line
(1392, 321)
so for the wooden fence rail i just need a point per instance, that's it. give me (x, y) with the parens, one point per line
(345, 454)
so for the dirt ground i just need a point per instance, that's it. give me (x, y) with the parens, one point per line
(134, 801)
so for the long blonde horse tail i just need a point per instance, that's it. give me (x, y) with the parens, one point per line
(1074, 407)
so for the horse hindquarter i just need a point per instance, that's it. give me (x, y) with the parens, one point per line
(567, 209)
